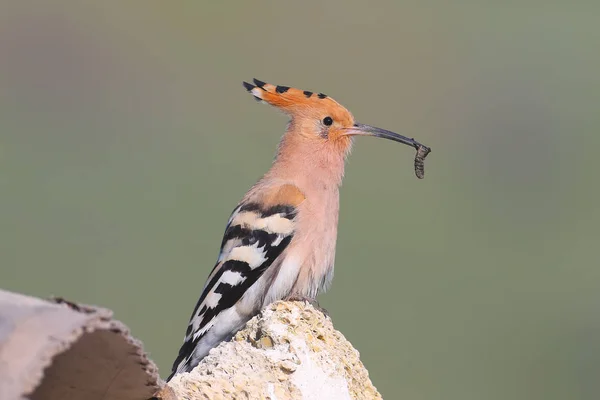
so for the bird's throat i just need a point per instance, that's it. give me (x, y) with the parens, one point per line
(310, 164)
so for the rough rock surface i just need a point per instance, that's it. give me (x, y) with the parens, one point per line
(289, 351)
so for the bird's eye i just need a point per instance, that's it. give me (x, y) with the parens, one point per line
(327, 121)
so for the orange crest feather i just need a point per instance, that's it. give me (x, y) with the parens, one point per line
(295, 101)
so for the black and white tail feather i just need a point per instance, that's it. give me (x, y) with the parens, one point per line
(254, 238)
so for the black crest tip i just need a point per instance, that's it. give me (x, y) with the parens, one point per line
(282, 89)
(322, 95)
(307, 93)
(259, 83)
(248, 86)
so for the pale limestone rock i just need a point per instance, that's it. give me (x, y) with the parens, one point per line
(290, 351)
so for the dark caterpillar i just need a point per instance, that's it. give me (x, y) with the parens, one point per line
(422, 152)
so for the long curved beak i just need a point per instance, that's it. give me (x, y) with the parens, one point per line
(368, 130)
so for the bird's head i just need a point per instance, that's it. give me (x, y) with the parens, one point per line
(318, 119)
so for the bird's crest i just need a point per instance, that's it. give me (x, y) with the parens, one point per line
(282, 96)
(299, 102)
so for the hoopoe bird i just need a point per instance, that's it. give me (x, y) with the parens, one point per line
(279, 242)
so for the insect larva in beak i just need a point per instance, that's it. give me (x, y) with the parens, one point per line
(422, 152)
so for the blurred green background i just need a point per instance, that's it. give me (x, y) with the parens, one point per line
(126, 139)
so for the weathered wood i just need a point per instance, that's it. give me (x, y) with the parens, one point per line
(52, 350)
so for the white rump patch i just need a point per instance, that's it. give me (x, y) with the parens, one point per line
(284, 281)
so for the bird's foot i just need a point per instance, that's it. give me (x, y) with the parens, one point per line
(309, 300)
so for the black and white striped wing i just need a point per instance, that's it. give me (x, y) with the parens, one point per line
(254, 238)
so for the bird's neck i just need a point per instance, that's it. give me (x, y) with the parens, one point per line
(310, 164)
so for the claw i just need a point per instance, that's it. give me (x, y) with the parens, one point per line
(309, 300)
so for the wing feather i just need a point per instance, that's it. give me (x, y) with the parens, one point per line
(254, 237)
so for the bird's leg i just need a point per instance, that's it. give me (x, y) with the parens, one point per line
(309, 300)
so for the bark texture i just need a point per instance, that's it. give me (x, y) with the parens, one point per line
(55, 349)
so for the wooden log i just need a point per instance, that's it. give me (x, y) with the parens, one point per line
(51, 350)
